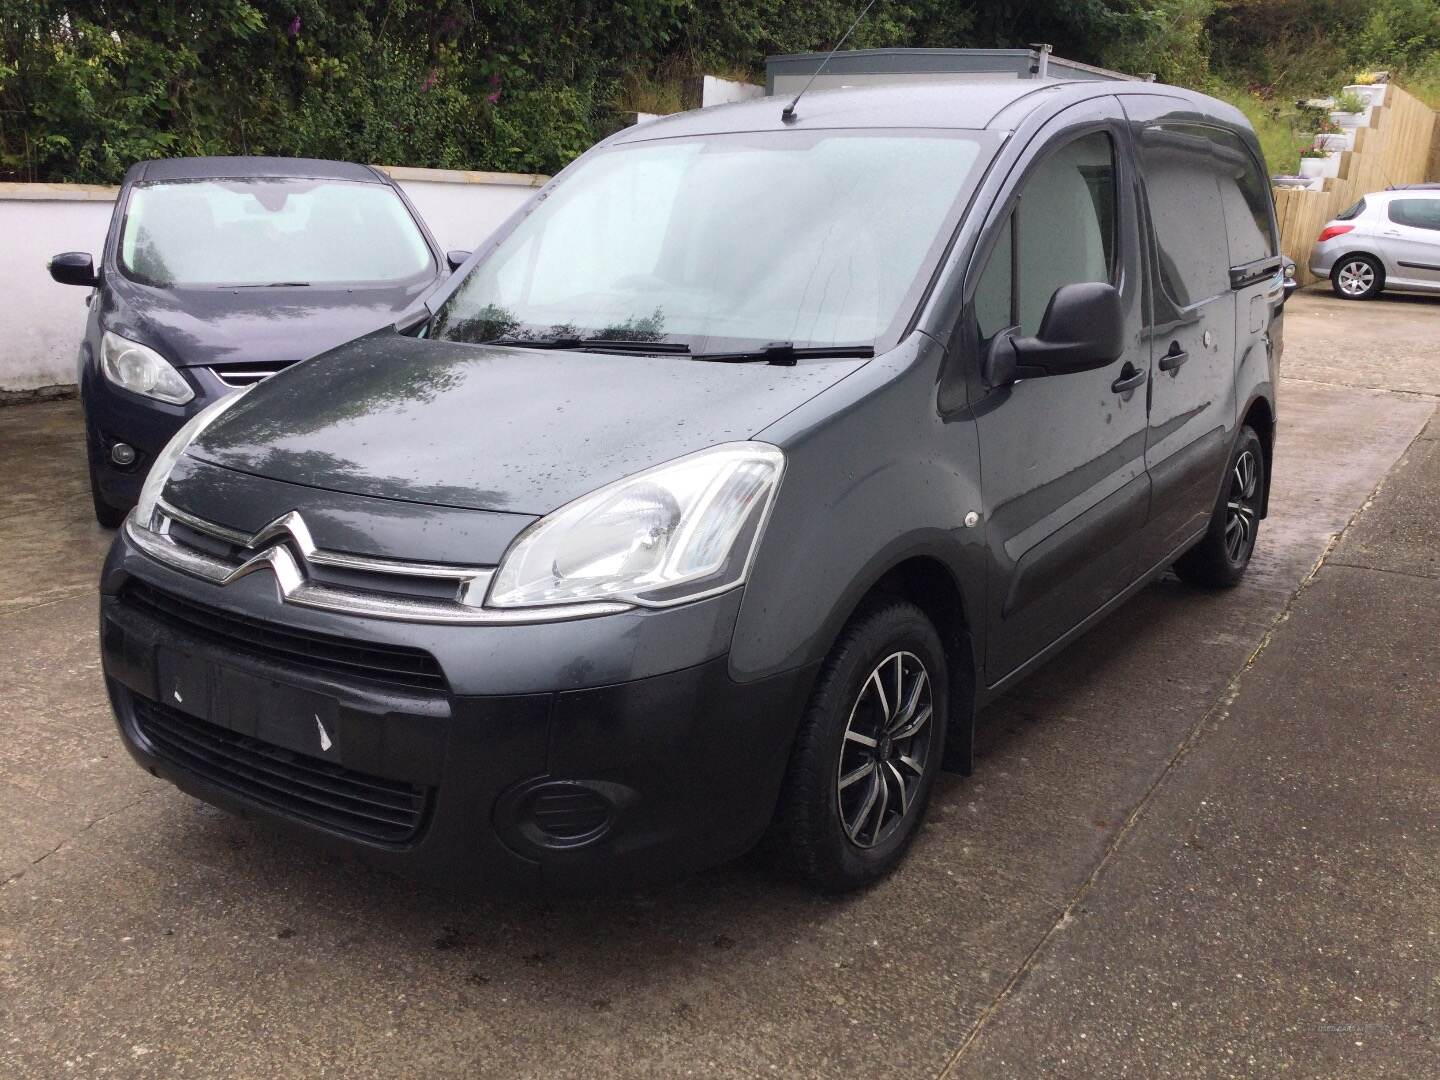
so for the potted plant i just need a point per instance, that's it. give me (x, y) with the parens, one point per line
(1349, 109)
(1331, 136)
(1368, 88)
(1316, 163)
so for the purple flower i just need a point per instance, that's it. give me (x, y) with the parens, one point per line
(493, 99)
(430, 81)
(295, 26)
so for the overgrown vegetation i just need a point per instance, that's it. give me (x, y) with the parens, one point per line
(89, 86)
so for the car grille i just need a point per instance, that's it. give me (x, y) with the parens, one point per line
(319, 792)
(390, 664)
(246, 374)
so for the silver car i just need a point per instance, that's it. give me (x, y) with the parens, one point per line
(1388, 240)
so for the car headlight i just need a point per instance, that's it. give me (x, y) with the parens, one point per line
(141, 370)
(673, 533)
(165, 461)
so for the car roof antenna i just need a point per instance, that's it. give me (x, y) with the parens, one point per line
(787, 114)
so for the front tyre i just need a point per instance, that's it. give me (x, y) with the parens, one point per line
(1220, 558)
(867, 752)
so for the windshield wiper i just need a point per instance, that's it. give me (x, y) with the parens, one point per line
(270, 285)
(593, 344)
(785, 354)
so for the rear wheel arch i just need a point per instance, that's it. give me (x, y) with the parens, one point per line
(1360, 253)
(1260, 416)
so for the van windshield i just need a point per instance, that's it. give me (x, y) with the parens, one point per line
(270, 232)
(727, 241)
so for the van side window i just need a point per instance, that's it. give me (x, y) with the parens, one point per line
(1245, 194)
(994, 296)
(1193, 256)
(1062, 231)
(1417, 213)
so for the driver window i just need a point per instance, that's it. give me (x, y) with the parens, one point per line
(1061, 231)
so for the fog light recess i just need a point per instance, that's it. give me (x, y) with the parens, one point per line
(562, 814)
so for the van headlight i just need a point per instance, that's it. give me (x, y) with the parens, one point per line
(677, 532)
(165, 461)
(141, 370)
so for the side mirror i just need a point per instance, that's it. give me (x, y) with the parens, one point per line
(456, 258)
(1287, 270)
(1083, 329)
(74, 268)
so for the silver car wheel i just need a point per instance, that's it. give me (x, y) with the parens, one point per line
(886, 749)
(1356, 278)
(1242, 508)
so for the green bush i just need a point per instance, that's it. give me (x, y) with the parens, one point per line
(89, 86)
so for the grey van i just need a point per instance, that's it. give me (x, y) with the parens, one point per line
(709, 501)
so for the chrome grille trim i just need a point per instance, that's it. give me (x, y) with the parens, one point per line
(240, 376)
(295, 525)
(293, 584)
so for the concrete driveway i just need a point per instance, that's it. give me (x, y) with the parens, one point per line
(1202, 842)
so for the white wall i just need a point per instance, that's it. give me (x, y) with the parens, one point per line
(41, 323)
(463, 208)
(718, 91)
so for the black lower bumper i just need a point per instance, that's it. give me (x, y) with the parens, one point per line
(602, 786)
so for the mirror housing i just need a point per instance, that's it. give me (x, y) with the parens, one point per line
(456, 259)
(74, 268)
(1287, 273)
(1001, 366)
(1083, 329)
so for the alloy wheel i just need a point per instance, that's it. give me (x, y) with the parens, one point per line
(886, 749)
(1242, 507)
(1356, 278)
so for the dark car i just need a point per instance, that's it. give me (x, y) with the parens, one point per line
(218, 272)
(742, 466)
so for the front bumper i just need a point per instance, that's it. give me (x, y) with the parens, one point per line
(114, 415)
(597, 752)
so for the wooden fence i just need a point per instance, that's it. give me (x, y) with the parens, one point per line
(1394, 149)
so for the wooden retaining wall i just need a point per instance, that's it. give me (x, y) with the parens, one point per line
(1395, 149)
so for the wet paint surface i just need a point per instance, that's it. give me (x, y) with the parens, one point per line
(494, 428)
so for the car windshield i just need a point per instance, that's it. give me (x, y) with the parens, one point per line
(270, 232)
(727, 241)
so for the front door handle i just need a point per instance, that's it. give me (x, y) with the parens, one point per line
(1130, 378)
(1172, 360)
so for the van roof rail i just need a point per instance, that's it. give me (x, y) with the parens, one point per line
(854, 67)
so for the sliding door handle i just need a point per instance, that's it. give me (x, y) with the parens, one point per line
(1130, 378)
(1172, 360)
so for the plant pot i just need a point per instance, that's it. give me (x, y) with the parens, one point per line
(1335, 140)
(1373, 93)
(1320, 167)
(1351, 119)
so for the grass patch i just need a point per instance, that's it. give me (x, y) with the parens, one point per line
(1282, 128)
(1423, 81)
